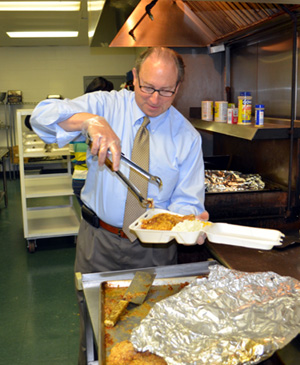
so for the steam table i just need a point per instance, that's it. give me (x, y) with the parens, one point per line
(3, 155)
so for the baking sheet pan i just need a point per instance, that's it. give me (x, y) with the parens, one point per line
(111, 291)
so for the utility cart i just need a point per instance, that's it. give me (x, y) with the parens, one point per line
(48, 207)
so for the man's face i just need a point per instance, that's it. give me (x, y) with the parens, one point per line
(159, 74)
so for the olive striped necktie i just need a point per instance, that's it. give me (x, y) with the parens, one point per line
(140, 156)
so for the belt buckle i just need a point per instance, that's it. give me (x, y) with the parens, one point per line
(120, 231)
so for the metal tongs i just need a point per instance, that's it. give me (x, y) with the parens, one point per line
(146, 202)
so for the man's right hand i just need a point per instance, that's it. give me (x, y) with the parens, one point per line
(103, 139)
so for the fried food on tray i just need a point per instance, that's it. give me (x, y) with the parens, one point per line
(165, 221)
(123, 353)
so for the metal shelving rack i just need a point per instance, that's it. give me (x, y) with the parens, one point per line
(50, 219)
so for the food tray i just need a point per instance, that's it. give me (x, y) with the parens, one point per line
(112, 291)
(223, 233)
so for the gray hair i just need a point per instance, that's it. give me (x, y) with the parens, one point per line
(162, 52)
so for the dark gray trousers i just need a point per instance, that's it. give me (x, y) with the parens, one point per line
(99, 250)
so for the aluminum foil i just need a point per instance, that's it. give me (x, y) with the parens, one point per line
(230, 317)
(223, 180)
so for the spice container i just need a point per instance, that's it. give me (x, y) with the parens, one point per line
(221, 111)
(259, 115)
(207, 110)
(232, 115)
(245, 108)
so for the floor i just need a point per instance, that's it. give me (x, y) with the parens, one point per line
(38, 309)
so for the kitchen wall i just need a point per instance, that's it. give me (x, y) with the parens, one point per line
(40, 71)
(264, 68)
(204, 78)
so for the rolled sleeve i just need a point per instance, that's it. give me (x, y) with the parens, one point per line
(46, 116)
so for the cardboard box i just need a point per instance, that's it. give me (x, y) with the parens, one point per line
(14, 155)
(14, 97)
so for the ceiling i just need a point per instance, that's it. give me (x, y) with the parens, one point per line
(192, 23)
(44, 21)
(207, 21)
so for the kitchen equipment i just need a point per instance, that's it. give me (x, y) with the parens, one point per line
(136, 293)
(223, 233)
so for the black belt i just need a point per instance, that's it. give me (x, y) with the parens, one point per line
(96, 222)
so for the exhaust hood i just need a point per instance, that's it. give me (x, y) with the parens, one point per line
(183, 23)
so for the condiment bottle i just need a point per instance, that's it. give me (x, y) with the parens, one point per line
(221, 111)
(259, 115)
(245, 108)
(207, 110)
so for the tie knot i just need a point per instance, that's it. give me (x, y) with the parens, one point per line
(146, 121)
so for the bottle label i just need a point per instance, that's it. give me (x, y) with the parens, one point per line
(245, 107)
(259, 117)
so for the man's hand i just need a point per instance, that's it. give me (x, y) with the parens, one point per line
(103, 139)
(204, 216)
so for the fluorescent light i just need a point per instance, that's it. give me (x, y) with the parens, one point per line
(39, 5)
(42, 34)
(95, 5)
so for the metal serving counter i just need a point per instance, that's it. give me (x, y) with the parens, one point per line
(91, 286)
(273, 128)
(233, 257)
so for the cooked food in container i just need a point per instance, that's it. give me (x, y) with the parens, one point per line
(162, 226)
(168, 221)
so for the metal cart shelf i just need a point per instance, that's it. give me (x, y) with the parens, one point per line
(57, 216)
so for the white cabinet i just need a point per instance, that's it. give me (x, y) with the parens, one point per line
(47, 199)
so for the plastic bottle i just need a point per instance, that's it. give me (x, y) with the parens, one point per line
(259, 115)
(245, 108)
(207, 110)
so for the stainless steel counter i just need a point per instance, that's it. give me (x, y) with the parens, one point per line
(273, 128)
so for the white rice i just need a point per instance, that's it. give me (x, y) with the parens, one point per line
(189, 226)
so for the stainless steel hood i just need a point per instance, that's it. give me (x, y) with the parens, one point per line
(183, 23)
(105, 19)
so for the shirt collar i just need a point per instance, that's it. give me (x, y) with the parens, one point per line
(138, 116)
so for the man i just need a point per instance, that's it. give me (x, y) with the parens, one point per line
(112, 120)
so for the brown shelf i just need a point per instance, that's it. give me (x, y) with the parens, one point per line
(273, 128)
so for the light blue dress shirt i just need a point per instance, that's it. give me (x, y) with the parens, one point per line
(175, 153)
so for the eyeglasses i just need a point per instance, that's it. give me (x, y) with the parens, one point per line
(150, 90)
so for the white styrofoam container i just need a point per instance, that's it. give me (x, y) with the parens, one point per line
(224, 233)
(231, 234)
(158, 236)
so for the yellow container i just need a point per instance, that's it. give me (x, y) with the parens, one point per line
(245, 108)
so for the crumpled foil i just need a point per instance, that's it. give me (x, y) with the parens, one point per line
(226, 181)
(230, 317)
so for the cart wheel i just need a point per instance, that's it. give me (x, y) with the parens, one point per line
(31, 246)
